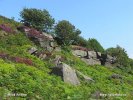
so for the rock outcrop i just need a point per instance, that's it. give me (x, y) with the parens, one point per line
(32, 50)
(46, 42)
(57, 60)
(43, 39)
(92, 57)
(91, 61)
(79, 53)
(67, 73)
(115, 76)
(43, 55)
(3, 33)
(89, 57)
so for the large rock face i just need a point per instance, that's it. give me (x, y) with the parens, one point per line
(46, 44)
(91, 61)
(79, 53)
(32, 50)
(92, 55)
(110, 59)
(57, 60)
(93, 58)
(107, 60)
(47, 41)
(67, 73)
(89, 57)
(43, 39)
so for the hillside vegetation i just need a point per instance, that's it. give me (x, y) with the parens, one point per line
(30, 75)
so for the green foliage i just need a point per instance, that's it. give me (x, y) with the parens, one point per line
(100, 75)
(39, 19)
(12, 41)
(66, 32)
(79, 40)
(36, 82)
(131, 62)
(120, 54)
(95, 45)
(66, 48)
(13, 24)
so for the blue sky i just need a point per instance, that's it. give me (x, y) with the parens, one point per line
(109, 21)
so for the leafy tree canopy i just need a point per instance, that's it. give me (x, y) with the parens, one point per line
(66, 32)
(79, 40)
(95, 45)
(131, 62)
(39, 19)
(120, 54)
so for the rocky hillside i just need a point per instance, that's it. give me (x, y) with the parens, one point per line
(34, 67)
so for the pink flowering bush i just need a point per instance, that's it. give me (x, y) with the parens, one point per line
(34, 33)
(6, 28)
(22, 60)
(3, 55)
(80, 48)
(16, 59)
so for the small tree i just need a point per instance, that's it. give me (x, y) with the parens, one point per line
(122, 59)
(39, 19)
(131, 62)
(95, 45)
(66, 32)
(79, 40)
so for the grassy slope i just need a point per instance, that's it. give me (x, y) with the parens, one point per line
(36, 82)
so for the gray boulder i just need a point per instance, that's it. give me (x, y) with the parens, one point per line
(108, 64)
(58, 49)
(79, 53)
(115, 76)
(3, 33)
(92, 54)
(97, 95)
(67, 73)
(42, 56)
(109, 61)
(91, 61)
(48, 36)
(32, 50)
(109, 58)
(46, 44)
(45, 40)
(99, 54)
(57, 60)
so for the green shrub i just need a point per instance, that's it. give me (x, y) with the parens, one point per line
(121, 56)
(39, 19)
(95, 45)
